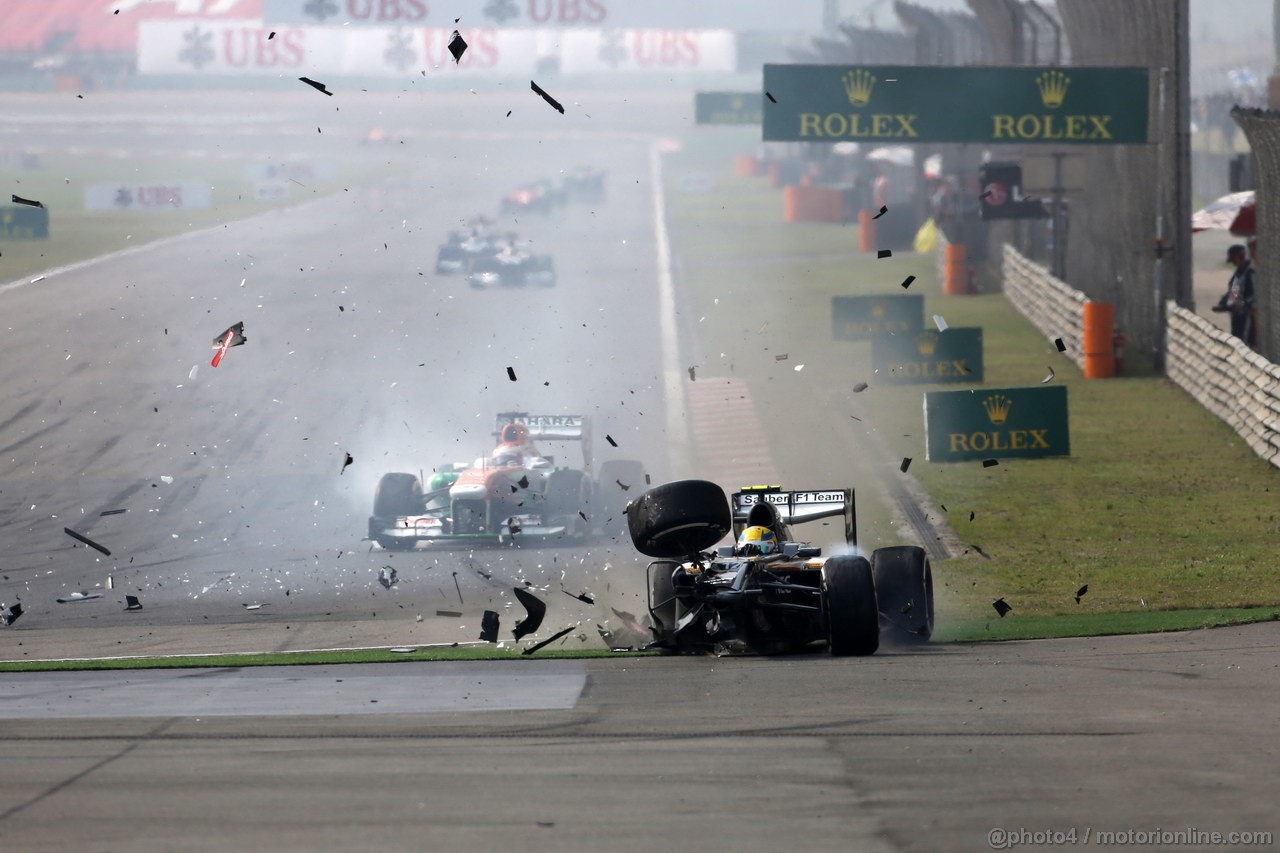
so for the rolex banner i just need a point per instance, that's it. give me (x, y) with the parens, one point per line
(728, 107)
(24, 222)
(996, 422)
(928, 356)
(857, 318)
(908, 104)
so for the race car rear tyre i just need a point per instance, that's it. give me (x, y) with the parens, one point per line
(677, 520)
(853, 619)
(904, 589)
(397, 494)
(662, 598)
(568, 494)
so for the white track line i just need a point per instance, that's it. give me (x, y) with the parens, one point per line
(673, 386)
(200, 655)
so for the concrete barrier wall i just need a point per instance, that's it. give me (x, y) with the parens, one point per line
(1227, 378)
(1054, 308)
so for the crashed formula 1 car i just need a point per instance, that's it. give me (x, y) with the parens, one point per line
(769, 593)
(516, 495)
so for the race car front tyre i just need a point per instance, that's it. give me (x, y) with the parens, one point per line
(397, 494)
(568, 497)
(853, 619)
(662, 597)
(904, 589)
(680, 519)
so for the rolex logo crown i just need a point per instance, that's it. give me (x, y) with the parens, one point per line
(927, 343)
(858, 85)
(1053, 88)
(997, 406)
(877, 309)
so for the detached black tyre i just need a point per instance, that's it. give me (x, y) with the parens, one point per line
(397, 494)
(675, 520)
(853, 619)
(904, 588)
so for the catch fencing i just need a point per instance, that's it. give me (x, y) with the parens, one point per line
(1227, 378)
(1054, 308)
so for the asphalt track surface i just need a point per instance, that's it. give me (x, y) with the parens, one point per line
(926, 749)
(354, 346)
(920, 749)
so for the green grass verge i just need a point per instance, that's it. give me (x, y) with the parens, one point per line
(441, 653)
(1160, 505)
(1097, 624)
(964, 630)
(76, 234)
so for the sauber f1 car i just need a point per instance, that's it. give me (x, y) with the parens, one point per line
(772, 594)
(514, 495)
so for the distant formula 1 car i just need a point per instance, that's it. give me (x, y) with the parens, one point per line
(540, 196)
(515, 495)
(776, 595)
(511, 266)
(479, 238)
(584, 184)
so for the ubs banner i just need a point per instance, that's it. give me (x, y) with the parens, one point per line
(170, 196)
(860, 318)
(1003, 422)
(918, 104)
(213, 47)
(765, 15)
(596, 51)
(929, 356)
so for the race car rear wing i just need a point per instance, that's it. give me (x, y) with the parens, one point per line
(552, 428)
(798, 507)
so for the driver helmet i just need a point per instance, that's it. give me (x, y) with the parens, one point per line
(756, 542)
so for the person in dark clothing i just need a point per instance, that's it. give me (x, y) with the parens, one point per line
(1238, 300)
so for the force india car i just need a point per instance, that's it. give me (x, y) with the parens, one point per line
(516, 494)
(779, 602)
